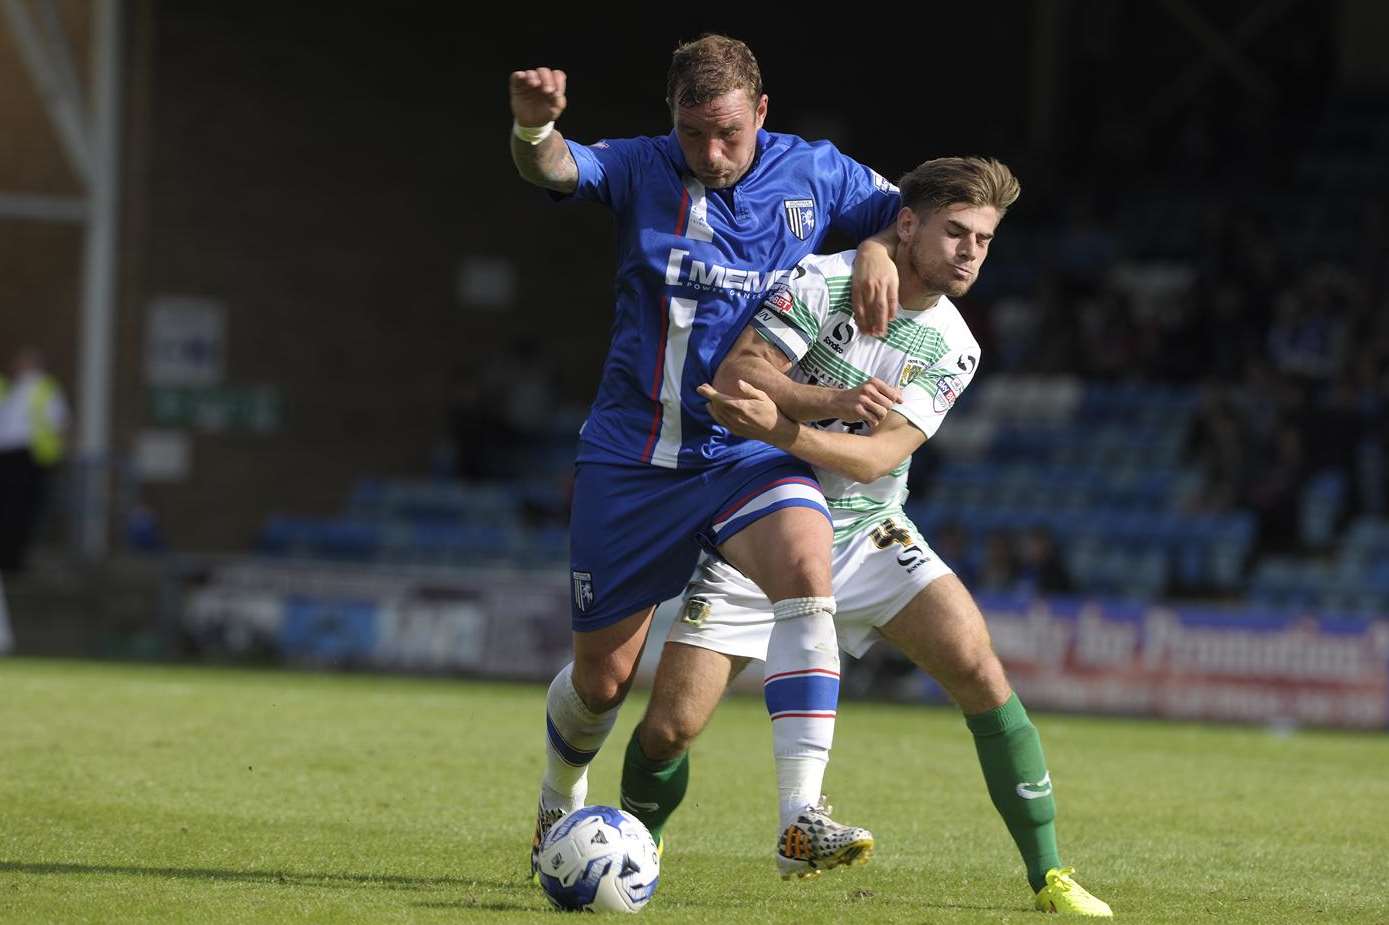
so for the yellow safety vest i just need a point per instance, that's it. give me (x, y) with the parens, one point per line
(46, 443)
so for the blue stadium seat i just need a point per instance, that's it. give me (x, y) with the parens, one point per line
(1319, 508)
(346, 539)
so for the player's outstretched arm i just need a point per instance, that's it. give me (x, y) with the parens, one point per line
(874, 288)
(750, 412)
(539, 152)
(755, 361)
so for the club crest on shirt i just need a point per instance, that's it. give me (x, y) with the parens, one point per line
(800, 216)
(695, 611)
(910, 371)
(583, 590)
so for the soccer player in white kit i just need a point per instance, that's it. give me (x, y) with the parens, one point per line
(887, 581)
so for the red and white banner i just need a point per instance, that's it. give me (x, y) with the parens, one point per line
(1196, 664)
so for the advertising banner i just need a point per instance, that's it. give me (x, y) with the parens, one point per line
(1190, 663)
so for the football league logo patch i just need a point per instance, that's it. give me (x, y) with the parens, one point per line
(583, 590)
(882, 184)
(948, 389)
(779, 297)
(800, 216)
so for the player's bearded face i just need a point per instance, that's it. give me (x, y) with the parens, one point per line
(719, 138)
(948, 249)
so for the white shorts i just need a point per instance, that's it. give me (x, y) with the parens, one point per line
(875, 574)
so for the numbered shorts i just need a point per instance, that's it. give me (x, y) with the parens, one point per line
(636, 532)
(876, 573)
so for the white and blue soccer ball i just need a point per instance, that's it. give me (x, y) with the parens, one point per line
(599, 859)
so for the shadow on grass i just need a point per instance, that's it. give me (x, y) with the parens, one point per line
(489, 906)
(279, 877)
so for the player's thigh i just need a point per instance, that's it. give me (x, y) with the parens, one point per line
(690, 681)
(724, 611)
(767, 526)
(878, 571)
(632, 543)
(786, 553)
(943, 632)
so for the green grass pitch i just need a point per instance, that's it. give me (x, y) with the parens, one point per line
(135, 793)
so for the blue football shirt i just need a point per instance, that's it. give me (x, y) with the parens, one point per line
(691, 264)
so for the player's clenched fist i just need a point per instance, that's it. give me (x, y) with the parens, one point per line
(537, 95)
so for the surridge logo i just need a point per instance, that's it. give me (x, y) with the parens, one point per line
(1036, 791)
(697, 274)
(638, 806)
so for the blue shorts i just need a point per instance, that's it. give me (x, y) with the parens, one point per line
(636, 531)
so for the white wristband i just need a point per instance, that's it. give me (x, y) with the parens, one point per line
(532, 134)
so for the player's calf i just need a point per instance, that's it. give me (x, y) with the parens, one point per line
(689, 682)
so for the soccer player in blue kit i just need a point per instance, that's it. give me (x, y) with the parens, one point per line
(708, 218)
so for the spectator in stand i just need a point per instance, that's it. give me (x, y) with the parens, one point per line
(950, 544)
(1276, 489)
(1040, 566)
(1220, 448)
(999, 570)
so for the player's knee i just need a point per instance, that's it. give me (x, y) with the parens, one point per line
(665, 737)
(600, 686)
(809, 568)
(806, 572)
(976, 678)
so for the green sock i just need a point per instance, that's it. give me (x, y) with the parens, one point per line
(1010, 754)
(651, 790)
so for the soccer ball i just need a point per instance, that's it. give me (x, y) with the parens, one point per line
(599, 859)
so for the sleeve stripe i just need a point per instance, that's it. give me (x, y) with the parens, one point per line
(781, 335)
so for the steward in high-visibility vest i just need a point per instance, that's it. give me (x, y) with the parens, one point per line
(33, 416)
(45, 427)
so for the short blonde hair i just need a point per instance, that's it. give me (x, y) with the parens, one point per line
(709, 67)
(945, 181)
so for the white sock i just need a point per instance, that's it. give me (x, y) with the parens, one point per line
(573, 735)
(801, 690)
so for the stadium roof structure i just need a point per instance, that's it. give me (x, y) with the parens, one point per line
(88, 130)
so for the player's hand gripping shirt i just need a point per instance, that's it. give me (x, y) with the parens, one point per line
(930, 355)
(692, 265)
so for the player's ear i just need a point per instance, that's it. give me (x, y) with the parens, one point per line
(906, 223)
(761, 110)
